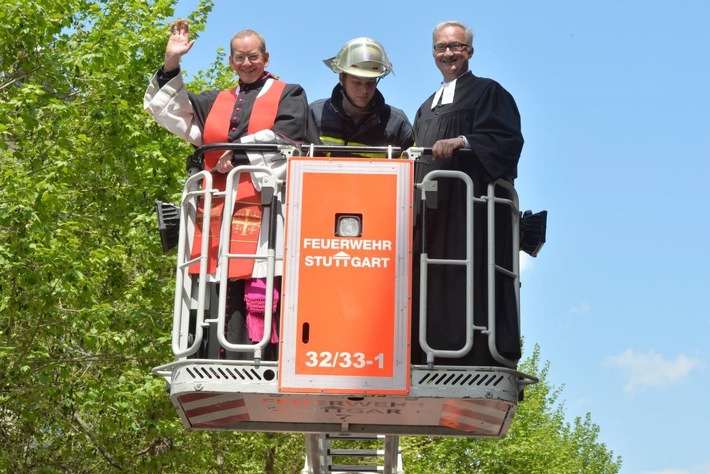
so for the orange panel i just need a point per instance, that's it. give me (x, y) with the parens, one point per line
(346, 296)
(345, 306)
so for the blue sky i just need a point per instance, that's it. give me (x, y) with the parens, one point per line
(615, 102)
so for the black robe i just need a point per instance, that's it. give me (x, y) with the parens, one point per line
(486, 114)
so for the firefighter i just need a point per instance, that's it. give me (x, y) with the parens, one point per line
(356, 113)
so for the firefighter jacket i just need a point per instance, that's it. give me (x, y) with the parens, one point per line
(385, 126)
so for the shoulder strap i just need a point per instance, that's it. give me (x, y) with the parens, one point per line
(217, 123)
(266, 106)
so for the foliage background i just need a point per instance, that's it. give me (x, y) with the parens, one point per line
(86, 292)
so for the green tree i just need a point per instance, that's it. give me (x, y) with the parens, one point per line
(86, 293)
(539, 440)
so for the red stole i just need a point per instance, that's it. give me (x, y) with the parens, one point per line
(246, 218)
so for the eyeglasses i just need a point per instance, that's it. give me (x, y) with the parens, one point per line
(454, 47)
(239, 58)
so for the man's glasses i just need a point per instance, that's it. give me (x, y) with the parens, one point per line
(454, 47)
(239, 58)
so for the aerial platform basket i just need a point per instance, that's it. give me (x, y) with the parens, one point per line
(345, 333)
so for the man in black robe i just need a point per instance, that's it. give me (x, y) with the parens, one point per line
(477, 114)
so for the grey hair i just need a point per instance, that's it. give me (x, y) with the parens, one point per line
(467, 33)
(245, 34)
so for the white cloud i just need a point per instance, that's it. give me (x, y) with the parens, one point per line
(651, 369)
(697, 469)
(583, 307)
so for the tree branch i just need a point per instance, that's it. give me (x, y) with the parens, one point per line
(17, 79)
(106, 455)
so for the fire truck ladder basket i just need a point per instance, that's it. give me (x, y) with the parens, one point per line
(343, 390)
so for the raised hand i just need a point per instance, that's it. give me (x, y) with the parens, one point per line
(179, 44)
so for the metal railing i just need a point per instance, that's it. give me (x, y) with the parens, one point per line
(191, 291)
